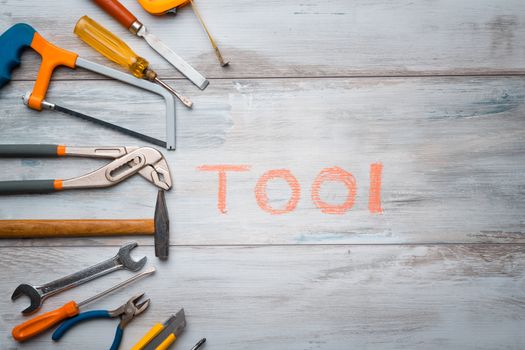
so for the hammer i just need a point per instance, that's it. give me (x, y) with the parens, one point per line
(158, 227)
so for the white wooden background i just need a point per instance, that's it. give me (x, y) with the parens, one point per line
(434, 90)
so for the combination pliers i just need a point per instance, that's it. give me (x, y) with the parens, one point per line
(146, 161)
(126, 312)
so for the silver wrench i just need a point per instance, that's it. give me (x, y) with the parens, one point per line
(37, 294)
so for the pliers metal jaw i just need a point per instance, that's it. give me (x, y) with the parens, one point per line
(126, 312)
(128, 161)
(130, 309)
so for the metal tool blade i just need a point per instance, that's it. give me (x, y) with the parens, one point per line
(103, 123)
(175, 60)
(174, 325)
(134, 278)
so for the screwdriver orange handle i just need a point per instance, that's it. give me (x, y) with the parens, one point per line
(39, 324)
(116, 10)
(109, 45)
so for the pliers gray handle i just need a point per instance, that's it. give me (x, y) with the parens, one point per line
(146, 161)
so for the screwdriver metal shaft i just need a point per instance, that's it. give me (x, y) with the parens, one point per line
(116, 50)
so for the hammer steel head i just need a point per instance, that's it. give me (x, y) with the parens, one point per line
(124, 256)
(162, 227)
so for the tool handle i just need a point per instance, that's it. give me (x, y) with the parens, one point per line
(152, 333)
(12, 43)
(84, 316)
(118, 338)
(116, 10)
(160, 7)
(166, 343)
(110, 46)
(74, 228)
(39, 324)
(32, 150)
(30, 186)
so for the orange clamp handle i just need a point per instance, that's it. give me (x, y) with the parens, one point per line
(52, 57)
(39, 324)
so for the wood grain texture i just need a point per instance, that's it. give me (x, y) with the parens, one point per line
(376, 297)
(452, 151)
(304, 38)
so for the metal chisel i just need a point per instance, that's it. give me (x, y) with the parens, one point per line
(130, 22)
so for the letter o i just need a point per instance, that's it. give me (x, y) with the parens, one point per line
(262, 197)
(334, 174)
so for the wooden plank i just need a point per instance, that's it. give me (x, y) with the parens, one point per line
(381, 297)
(452, 151)
(306, 38)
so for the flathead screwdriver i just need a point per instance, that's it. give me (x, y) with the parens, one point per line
(112, 47)
(43, 322)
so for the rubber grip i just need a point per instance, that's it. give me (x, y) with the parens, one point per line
(116, 10)
(27, 186)
(12, 43)
(118, 338)
(68, 324)
(41, 323)
(22, 150)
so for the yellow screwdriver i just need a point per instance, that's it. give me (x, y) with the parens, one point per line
(109, 45)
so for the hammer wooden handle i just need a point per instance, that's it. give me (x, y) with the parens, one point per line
(74, 228)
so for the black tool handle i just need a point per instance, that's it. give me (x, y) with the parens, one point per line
(27, 186)
(23, 150)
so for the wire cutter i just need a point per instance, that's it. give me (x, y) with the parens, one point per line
(126, 313)
(147, 161)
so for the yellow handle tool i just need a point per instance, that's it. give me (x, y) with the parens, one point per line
(162, 335)
(116, 50)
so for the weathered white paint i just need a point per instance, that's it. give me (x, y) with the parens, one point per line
(452, 150)
(333, 297)
(307, 38)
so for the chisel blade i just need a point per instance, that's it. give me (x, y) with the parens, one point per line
(174, 59)
(103, 123)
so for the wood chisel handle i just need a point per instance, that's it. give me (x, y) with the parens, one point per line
(74, 228)
(116, 10)
(110, 46)
(41, 323)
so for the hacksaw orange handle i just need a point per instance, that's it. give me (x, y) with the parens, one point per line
(41, 323)
(52, 57)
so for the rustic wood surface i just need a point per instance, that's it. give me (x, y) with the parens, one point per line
(432, 90)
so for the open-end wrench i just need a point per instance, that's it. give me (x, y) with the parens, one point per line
(37, 294)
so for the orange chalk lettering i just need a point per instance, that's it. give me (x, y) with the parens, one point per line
(334, 174)
(262, 197)
(222, 169)
(374, 197)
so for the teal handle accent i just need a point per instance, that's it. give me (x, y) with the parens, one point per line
(24, 150)
(118, 338)
(12, 43)
(84, 316)
(27, 186)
